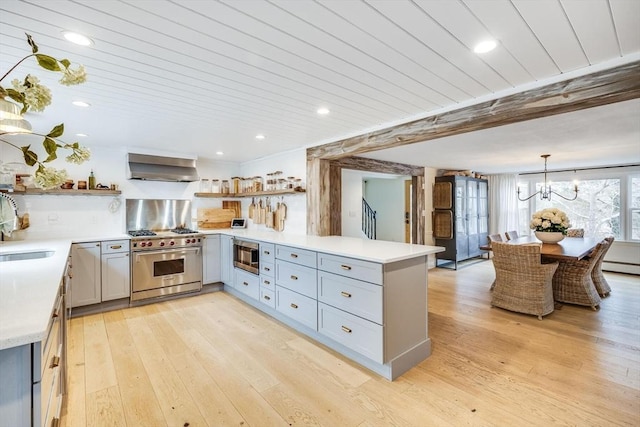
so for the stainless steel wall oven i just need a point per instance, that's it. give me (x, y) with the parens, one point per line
(246, 255)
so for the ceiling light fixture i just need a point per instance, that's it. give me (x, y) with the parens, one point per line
(82, 135)
(219, 153)
(323, 111)
(10, 119)
(77, 38)
(545, 192)
(81, 104)
(485, 46)
(259, 136)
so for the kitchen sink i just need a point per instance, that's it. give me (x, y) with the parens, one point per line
(18, 256)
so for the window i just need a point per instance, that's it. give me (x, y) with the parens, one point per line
(634, 213)
(608, 202)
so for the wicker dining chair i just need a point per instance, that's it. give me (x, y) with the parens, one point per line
(573, 284)
(511, 235)
(523, 284)
(599, 281)
(575, 232)
(490, 239)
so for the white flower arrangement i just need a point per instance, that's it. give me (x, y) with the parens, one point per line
(36, 97)
(550, 219)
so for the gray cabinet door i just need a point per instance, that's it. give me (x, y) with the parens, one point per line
(115, 276)
(85, 270)
(211, 261)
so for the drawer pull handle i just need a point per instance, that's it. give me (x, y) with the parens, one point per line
(294, 256)
(267, 297)
(266, 282)
(55, 314)
(347, 330)
(345, 267)
(294, 277)
(55, 422)
(345, 294)
(294, 305)
(245, 283)
(267, 269)
(266, 253)
(116, 247)
(55, 362)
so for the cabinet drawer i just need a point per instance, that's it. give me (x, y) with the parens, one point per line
(297, 256)
(268, 297)
(297, 278)
(267, 282)
(50, 345)
(349, 267)
(352, 331)
(51, 399)
(354, 296)
(267, 269)
(298, 307)
(248, 284)
(267, 252)
(112, 246)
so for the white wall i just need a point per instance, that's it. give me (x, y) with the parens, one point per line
(352, 190)
(386, 197)
(291, 163)
(54, 216)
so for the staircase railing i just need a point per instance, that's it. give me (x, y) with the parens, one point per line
(368, 220)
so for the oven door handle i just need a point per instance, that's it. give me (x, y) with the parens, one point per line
(164, 251)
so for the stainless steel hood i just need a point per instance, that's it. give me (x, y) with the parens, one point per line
(158, 168)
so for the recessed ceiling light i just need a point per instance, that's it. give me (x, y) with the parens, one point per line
(485, 46)
(219, 153)
(259, 136)
(81, 104)
(81, 134)
(77, 38)
(323, 111)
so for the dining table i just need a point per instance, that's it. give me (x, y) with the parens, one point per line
(569, 248)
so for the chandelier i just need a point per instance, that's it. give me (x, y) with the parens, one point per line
(545, 192)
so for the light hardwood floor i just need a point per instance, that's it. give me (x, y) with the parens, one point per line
(212, 360)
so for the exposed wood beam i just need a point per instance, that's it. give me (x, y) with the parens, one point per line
(382, 166)
(604, 87)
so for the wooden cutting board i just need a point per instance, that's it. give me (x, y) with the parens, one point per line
(233, 204)
(214, 218)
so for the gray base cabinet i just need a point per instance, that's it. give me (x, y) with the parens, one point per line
(211, 260)
(226, 260)
(100, 272)
(373, 313)
(32, 376)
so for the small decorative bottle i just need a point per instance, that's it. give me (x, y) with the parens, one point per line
(92, 181)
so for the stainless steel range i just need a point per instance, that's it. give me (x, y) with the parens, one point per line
(166, 255)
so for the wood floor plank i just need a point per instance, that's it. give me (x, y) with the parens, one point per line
(229, 364)
(175, 402)
(104, 408)
(74, 411)
(100, 372)
(140, 404)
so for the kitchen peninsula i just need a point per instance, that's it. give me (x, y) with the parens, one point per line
(380, 315)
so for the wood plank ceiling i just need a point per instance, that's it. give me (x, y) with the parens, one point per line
(210, 75)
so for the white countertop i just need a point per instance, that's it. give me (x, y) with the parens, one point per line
(369, 250)
(28, 288)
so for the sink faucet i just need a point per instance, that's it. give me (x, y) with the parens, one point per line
(13, 221)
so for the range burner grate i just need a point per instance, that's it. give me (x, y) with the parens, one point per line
(181, 230)
(141, 233)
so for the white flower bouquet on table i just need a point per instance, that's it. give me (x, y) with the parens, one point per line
(550, 220)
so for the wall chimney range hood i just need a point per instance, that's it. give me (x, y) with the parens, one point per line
(159, 168)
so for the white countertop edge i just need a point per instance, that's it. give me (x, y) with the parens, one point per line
(378, 251)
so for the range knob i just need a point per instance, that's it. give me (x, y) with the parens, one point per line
(161, 243)
(149, 243)
(172, 243)
(143, 244)
(188, 241)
